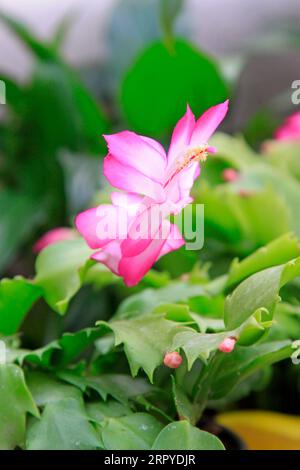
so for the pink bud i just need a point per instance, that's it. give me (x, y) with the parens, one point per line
(53, 236)
(172, 360)
(230, 175)
(227, 345)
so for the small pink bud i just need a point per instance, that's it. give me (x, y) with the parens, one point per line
(172, 360)
(230, 175)
(227, 345)
(53, 236)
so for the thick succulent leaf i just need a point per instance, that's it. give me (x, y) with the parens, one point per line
(100, 412)
(148, 299)
(196, 344)
(60, 271)
(183, 436)
(257, 292)
(119, 386)
(243, 362)
(64, 425)
(15, 402)
(46, 389)
(134, 432)
(63, 351)
(277, 252)
(16, 298)
(146, 339)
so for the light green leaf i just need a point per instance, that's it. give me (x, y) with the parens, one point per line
(146, 339)
(15, 402)
(277, 252)
(46, 389)
(148, 299)
(257, 292)
(133, 432)
(243, 362)
(183, 436)
(99, 412)
(59, 269)
(63, 351)
(119, 386)
(16, 298)
(64, 425)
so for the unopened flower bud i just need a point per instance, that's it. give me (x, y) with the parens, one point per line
(230, 175)
(227, 345)
(172, 360)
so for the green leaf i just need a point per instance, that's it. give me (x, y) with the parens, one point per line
(279, 251)
(183, 405)
(148, 299)
(257, 292)
(15, 402)
(63, 351)
(119, 386)
(99, 412)
(262, 175)
(196, 344)
(133, 432)
(59, 271)
(146, 339)
(64, 425)
(161, 83)
(16, 298)
(182, 436)
(243, 362)
(46, 389)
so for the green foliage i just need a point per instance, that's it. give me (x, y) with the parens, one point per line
(64, 425)
(15, 402)
(59, 271)
(16, 298)
(134, 432)
(160, 82)
(182, 436)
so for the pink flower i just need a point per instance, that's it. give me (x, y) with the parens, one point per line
(53, 236)
(154, 183)
(290, 130)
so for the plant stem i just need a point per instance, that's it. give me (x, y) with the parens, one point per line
(203, 385)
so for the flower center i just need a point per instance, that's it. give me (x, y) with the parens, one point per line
(196, 154)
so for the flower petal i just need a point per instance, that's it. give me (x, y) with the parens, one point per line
(141, 153)
(134, 268)
(129, 179)
(181, 136)
(208, 123)
(174, 241)
(110, 255)
(100, 225)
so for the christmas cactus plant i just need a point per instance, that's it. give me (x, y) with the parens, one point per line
(176, 345)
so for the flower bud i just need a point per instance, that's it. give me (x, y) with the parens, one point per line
(230, 175)
(172, 360)
(227, 345)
